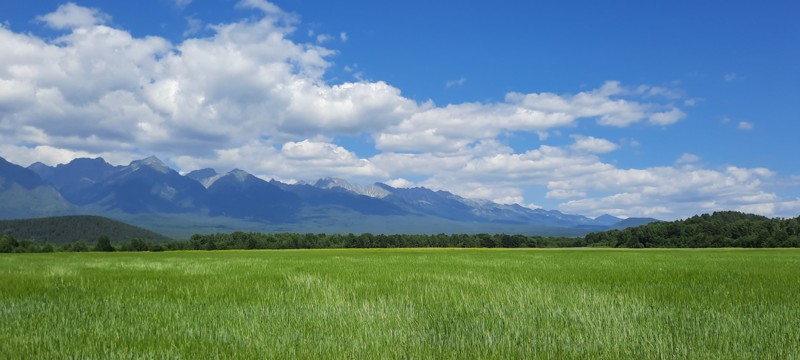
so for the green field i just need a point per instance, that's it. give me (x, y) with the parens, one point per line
(402, 303)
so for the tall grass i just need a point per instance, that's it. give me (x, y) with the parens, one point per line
(432, 303)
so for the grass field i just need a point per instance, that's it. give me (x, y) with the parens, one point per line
(408, 303)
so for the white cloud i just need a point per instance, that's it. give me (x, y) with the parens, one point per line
(69, 16)
(744, 125)
(593, 145)
(193, 26)
(791, 207)
(321, 38)
(308, 150)
(591, 186)
(263, 5)
(605, 103)
(667, 117)
(343, 36)
(305, 159)
(691, 102)
(730, 77)
(182, 3)
(53, 156)
(564, 194)
(245, 81)
(673, 191)
(687, 158)
(345, 108)
(657, 91)
(399, 183)
(450, 128)
(458, 82)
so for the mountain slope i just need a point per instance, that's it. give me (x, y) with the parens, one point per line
(146, 186)
(12, 173)
(241, 195)
(73, 178)
(450, 206)
(607, 220)
(373, 190)
(320, 199)
(64, 229)
(206, 177)
(25, 194)
(44, 171)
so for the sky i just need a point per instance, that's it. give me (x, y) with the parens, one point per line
(630, 108)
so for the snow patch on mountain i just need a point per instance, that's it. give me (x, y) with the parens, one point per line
(373, 190)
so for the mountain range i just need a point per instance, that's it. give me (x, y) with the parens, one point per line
(150, 194)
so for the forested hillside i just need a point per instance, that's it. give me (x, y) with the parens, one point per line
(65, 229)
(720, 229)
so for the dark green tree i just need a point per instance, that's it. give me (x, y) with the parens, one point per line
(7, 244)
(103, 244)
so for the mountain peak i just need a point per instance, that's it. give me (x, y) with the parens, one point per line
(39, 165)
(151, 162)
(206, 176)
(43, 170)
(22, 176)
(331, 182)
(607, 220)
(97, 160)
(239, 174)
(201, 174)
(373, 191)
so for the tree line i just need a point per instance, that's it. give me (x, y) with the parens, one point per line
(720, 229)
(252, 240)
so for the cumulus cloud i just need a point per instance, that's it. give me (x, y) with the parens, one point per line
(669, 191)
(592, 144)
(399, 183)
(321, 38)
(687, 158)
(667, 117)
(450, 128)
(588, 185)
(69, 16)
(245, 81)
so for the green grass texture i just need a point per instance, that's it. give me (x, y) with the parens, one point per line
(402, 304)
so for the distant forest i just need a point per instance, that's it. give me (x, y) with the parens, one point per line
(67, 229)
(721, 229)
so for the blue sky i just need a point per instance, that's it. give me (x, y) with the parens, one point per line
(630, 108)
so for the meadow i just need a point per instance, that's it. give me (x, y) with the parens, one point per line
(402, 303)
